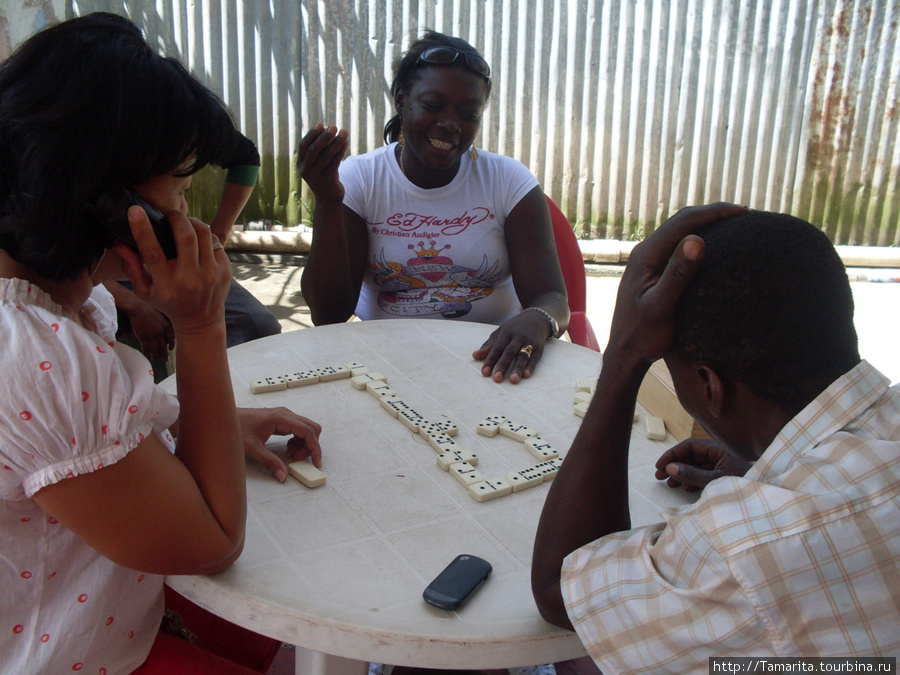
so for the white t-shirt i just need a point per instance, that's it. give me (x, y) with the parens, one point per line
(73, 401)
(438, 253)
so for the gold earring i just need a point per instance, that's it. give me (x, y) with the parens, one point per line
(401, 139)
(473, 153)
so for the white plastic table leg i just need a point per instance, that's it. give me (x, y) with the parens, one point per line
(309, 662)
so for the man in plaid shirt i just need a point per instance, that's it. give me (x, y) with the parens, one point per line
(793, 548)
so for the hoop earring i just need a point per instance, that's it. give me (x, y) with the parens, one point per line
(401, 139)
(473, 153)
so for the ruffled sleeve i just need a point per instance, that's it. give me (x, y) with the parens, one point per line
(74, 400)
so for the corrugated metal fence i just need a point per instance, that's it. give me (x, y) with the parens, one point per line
(625, 110)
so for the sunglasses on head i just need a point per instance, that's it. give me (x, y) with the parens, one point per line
(444, 56)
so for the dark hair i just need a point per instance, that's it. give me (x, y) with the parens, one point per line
(86, 106)
(771, 306)
(406, 68)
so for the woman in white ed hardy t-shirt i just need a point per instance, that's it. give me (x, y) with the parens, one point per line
(430, 227)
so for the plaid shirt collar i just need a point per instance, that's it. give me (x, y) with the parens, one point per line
(836, 407)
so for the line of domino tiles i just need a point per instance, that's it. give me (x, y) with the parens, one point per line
(452, 457)
(654, 427)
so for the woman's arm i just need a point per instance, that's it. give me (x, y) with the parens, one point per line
(539, 284)
(533, 258)
(333, 275)
(337, 257)
(149, 512)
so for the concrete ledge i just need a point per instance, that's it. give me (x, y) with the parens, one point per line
(869, 256)
(603, 251)
(269, 242)
(608, 251)
(617, 252)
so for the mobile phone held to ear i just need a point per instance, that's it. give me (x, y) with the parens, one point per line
(111, 209)
(458, 582)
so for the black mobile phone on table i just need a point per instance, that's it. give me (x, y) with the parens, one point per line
(111, 210)
(458, 582)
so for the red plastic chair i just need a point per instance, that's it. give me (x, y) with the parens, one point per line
(572, 264)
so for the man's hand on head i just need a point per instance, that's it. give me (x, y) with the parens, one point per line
(660, 268)
(589, 497)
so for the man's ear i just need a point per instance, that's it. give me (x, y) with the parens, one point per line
(399, 100)
(715, 391)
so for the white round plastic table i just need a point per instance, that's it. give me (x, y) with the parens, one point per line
(339, 570)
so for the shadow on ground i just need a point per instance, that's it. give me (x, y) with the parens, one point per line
(275, 280)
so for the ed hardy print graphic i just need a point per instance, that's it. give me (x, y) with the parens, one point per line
(430, 283)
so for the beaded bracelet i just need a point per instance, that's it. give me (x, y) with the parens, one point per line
(554, 327)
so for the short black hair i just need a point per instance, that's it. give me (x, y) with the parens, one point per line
(771, 306)
(86, 107)
(406, 67)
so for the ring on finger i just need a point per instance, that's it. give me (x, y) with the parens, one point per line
(526, 350)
